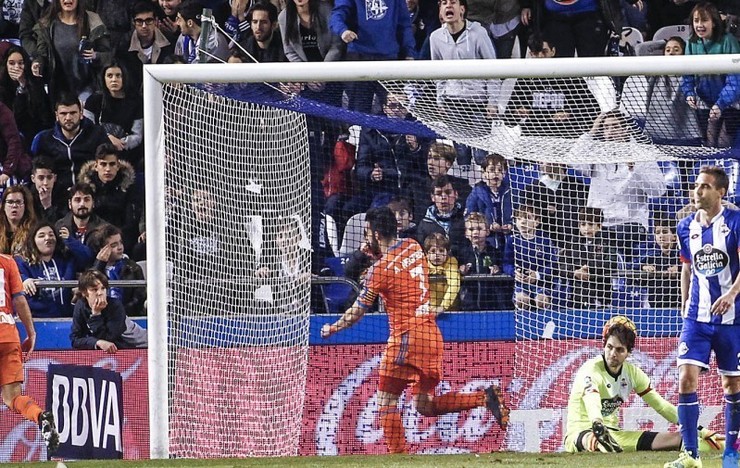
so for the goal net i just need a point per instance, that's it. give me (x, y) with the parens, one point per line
(237, 217)
(573, 180)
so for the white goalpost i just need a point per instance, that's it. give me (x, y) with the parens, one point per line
(228, 215)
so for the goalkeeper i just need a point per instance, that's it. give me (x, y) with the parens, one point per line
(602, 385)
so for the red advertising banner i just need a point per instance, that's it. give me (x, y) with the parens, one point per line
(20, 440)
(341, 404)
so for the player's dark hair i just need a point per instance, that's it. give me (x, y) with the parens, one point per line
(90, 277)
(383, 221)
(589, 214)
(623, 331)
(720, 176)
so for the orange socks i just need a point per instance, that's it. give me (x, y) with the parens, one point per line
(27, 407)
(390, 421)
(454, 402)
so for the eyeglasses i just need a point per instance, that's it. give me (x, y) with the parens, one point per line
(142, 22)
(14, 202)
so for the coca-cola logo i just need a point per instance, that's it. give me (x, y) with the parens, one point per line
(341, 406)
(469, 427)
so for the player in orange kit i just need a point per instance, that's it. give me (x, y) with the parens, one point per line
(413, 355)
(11, 352)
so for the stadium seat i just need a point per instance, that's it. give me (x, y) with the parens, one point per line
(335, 295)
(332, 234)
(631, 36)
(666, 32)
(354, 233)
(650, 48)
(142, 264)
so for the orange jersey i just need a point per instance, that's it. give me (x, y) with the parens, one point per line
(11, 287)
(401, 279)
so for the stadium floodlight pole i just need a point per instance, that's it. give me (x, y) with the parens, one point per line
(431, 70)
(156, 268)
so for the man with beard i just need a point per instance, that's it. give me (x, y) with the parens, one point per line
(81, 218)
(264, 45)
(413, 354)
(71, 142)
(191, 41)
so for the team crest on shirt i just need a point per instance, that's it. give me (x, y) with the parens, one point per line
(375, 9)
(710, 261)
(724, 230)
(683, 348)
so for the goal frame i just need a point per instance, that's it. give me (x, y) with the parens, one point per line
(156, 75)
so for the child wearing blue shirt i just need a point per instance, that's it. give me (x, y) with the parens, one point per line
(529, 257)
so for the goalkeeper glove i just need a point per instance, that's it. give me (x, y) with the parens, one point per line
(712, 439)
(605, 442)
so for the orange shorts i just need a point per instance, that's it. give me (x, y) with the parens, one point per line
(415, 356)
(11, 363)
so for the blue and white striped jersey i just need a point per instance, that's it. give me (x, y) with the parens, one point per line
(712, 252)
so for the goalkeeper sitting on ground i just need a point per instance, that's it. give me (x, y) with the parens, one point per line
(602, 385)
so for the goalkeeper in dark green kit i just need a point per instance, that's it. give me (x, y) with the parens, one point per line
(602, 385)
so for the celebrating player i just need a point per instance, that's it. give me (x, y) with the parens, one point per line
(709, 242)
(413, 355)
(11, 354)
(602, 385)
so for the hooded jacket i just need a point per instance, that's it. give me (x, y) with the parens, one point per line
(116, 201)
(473, 43)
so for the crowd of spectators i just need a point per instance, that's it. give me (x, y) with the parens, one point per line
(71, 151)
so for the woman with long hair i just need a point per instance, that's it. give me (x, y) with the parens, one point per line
(120, 110)
(24, 94)
(59, 35)
(716, 98)
(47, 257)
(304, 25)
(17, 218)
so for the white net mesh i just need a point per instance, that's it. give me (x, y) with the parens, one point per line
(238, 220)
(542, 119)
(580, 204)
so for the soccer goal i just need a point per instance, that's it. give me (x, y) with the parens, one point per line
(598, 157)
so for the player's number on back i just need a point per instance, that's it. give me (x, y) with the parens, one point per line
(418, 272)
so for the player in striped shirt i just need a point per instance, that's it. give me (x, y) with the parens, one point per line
(413, 354)
(709, 241)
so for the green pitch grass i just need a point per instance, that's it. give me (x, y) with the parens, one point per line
(585, 460)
